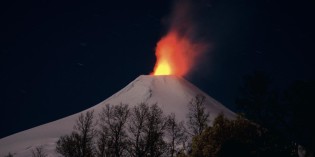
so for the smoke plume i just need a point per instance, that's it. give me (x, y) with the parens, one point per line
(180, 50)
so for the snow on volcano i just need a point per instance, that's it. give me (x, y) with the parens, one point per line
(173, 94)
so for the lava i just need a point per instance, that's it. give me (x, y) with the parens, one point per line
(163, 68)
(180, 50)
(175, 55)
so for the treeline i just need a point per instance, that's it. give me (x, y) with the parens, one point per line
(145, 131)
(242, 138)
(140, 131)
(286, 111)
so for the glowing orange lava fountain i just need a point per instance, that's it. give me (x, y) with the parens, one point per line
(175, 55)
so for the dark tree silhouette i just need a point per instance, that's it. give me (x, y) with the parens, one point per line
(264, 106)
(176, 134)
(154, 130)
(239, 137)
(113, 136)
(104, 143)
(137, 126)
(257, 100)
(69, 145)
(198, 118)
(146, 129)
(80, 142)
(300, 100)
(39, 152)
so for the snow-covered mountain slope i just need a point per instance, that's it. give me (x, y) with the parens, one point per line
(171, 93)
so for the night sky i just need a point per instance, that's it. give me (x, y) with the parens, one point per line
(59, 58)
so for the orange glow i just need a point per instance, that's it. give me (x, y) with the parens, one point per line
(163, 69)
(175, 55)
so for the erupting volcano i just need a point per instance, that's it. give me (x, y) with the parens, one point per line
(175, 55)
(179, 51)
(173, 94)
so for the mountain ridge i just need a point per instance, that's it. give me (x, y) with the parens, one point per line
(171, 93)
